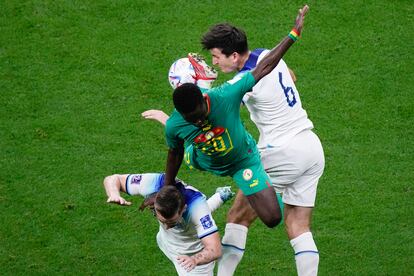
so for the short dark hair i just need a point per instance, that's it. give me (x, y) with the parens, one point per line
(169, 201)
(187, 97)
(226, 37)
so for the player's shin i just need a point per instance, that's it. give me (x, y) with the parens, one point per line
(306, 254)
(233, 245)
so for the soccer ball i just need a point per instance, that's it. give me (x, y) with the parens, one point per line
(181, 71)
(192, 69)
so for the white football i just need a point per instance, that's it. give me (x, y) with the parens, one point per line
(181, 71)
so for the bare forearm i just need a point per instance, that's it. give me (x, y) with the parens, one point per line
(174, 159)
(270, 61)
(205, 256)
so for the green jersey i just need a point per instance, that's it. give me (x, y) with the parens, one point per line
(223, 146)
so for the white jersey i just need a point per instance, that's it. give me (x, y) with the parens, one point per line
(274, 105)
(196, 221)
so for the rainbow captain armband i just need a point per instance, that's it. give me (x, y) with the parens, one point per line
(294, 34)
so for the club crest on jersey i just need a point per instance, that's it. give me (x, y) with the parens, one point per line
(207, 136)
(247, 174)
(206, 222)
(136, 179)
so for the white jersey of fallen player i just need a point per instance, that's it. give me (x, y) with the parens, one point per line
(196, 222)
(274, 105)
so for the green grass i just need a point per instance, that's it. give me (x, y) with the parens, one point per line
(75, 75)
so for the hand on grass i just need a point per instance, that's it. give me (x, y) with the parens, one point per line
(118, 200)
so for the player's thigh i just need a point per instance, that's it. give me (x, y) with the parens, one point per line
(256, 186)
(267, 207)
(241, 212)
(163, 247)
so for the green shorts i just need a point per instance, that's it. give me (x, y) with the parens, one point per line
(252, 179)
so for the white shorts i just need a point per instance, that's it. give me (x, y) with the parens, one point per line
(200, 270)
(296, 168)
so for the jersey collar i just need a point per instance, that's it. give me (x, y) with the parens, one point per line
(252, 60)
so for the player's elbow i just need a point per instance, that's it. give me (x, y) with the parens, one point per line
(109, 178)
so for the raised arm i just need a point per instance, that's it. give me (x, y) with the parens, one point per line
(113, 185)
(269, 62)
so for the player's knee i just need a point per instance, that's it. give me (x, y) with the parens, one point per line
(272, 220)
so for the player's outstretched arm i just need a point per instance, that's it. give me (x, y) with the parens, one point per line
(211, 252)
(269, 62)
(156, 115)
(113, 185)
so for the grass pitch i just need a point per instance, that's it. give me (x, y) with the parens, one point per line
(75, 75)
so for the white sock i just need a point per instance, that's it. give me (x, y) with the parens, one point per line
(233, 245)
(306, 254)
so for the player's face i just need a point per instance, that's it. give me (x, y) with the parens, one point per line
(226, 64)
(198, 117)
(170, 222)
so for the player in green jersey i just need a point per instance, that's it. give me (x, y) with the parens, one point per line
(210, 126)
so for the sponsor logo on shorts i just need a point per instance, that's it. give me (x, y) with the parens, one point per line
(206, 222)
(247, 174)
(136, 179)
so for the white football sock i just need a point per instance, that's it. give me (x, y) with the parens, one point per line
(233, 245)
(306, 254)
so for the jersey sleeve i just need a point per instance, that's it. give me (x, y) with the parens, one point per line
(202, 218)
(144, 184)
(240, 85)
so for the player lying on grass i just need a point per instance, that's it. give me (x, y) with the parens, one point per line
(188, 234)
